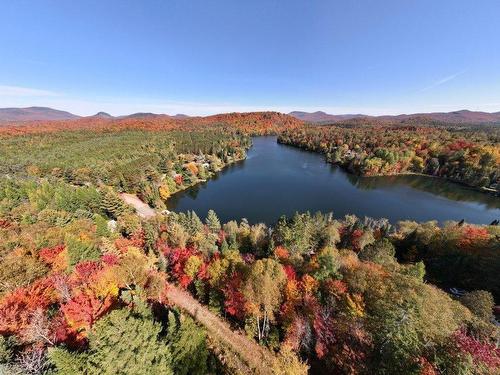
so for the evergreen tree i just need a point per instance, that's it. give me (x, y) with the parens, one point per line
(213, 222)
(480, 303)
(79, 250)
(112, 204)
(68, 363)
(124, 342)
(190, 222)
(187, 343)
(328, 264)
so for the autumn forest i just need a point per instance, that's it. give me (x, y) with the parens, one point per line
(90, 285)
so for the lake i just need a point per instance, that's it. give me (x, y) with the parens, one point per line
(277, 179)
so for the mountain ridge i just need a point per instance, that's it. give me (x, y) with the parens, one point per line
(13, 114)
(27, 114)
(456, 117)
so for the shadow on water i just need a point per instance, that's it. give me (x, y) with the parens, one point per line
(279, 180)
(194, 190)
(431, 185)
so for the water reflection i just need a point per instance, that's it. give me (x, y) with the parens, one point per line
(428, 184)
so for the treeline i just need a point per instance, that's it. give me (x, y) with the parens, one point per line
(468, 156)
(152, 157)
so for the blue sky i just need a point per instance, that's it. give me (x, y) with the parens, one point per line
(205, 56)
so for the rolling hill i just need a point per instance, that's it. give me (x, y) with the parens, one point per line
(34, 114)
(320, 116)
(456, 117)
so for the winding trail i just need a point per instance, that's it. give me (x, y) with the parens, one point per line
(240, 354)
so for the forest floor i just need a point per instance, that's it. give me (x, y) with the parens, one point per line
(240, 353)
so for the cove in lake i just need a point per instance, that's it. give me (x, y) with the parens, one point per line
(278, 180)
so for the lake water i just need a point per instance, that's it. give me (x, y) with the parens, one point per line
(277, 179)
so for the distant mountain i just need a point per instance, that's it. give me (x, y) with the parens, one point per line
(33, 114)
(102, 115)
(152, 115)
(456, 117)
(252, 122)
(320, 116)
(141, 114)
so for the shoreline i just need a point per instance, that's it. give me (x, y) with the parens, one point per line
(484, 190)
(475, 188)
(208, 178)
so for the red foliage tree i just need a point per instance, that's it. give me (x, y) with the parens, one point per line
(234, 302)
(83, 310)
(486, 353)
(178, 259)
(4, 224)
(17, 308)
(472, 236)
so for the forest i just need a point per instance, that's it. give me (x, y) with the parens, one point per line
(468, 155)
(85, 282)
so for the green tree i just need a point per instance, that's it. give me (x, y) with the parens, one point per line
(80, 250)
(123, 342)
(112, 204)
(5, 349)
(213, 222)
(480, 303)
(188, 345)
(381, 252)
(68, 363)
(328, 264)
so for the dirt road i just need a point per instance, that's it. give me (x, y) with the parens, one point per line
(242, 354)
(143, 210)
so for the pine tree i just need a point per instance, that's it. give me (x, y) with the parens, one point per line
(195, 224)
(79, 251)
(213, 222)
(187, 343)
(127, 342)
(224, 247)
(190, 222)
(68, 363)
(112, 204)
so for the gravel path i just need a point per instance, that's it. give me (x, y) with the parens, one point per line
(242, 354)
(143, 210)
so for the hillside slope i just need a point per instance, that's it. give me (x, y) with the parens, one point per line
(251, 122)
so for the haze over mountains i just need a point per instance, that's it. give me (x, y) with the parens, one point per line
(34, 114)
(320, 116)
(457, 117)
(50, 114)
